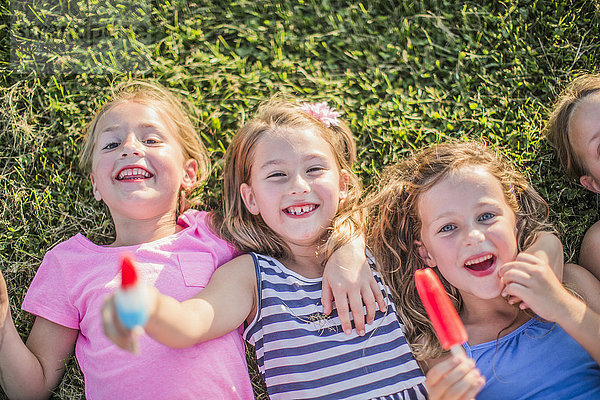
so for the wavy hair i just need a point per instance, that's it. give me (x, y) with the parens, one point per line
(249, 232)
(395, 224)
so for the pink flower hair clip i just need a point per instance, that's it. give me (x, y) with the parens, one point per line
(322, 112)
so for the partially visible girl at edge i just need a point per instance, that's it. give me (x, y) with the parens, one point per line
(465, 211)
(290, 198)
(574, 130)
(144, 158)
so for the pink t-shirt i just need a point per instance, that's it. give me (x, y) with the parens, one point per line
(76, 276)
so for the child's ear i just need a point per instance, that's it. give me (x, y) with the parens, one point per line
(190, 173)
(95, 191)
(590, 183)
(424, 254)
(249, 199)
(344, 182)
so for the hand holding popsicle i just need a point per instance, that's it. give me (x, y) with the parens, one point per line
(126, 312)
(455, 378)
(131, 301)
(446, 322)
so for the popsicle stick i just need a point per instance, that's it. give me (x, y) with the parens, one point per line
(458, 350)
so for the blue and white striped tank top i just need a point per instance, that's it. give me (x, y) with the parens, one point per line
(303, 354)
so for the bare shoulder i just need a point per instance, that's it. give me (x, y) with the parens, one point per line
(242, 266)
(584, 283)
(589, 254)
(593, 233)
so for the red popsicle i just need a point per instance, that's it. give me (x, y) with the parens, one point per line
(446, 322)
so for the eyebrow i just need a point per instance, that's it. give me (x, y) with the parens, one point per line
(279, 161)
(271, 163)
(492, 203)
(140, 125)
(594, 137)
(110, 128)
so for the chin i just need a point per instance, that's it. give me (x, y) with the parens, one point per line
(490, 293)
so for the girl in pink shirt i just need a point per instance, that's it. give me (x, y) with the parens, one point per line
(144, 158)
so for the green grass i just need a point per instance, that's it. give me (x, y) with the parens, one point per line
(404, 74)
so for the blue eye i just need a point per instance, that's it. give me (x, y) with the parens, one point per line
(152, 141)
(111, 146)
(448, 228)
(486, 216)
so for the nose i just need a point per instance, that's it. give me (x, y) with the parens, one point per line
(299, 185)
(475, 235)
(132, 146)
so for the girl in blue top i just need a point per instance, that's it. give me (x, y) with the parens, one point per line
(291, 198)
(465, 211)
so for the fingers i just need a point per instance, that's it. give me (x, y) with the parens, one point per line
(326, 297)
(514, 287)
(356, 293)
(337, 294)
(356, 301)
(455, 378)
(116, 332)
(341, 304)
(358, 313)
(368, 299)
(528, 258)
(374, 300)
(523, 261)
(379, 297)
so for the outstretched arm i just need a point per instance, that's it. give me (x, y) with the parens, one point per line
(533, 281)
(348, 279)
(32, 370)
(223, 305)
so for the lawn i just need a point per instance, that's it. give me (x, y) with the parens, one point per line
(403, 73)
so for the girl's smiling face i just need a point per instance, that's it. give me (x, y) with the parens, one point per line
(295, 185)
(468, 230)
(138, 166)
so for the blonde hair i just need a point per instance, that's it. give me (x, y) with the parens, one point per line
(249, 232)
(395, 224)
(557, 129)
(173, 109)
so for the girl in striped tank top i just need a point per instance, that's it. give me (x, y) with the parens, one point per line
(291, 200)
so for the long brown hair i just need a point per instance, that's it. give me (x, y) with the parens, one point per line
(249, 232)
(395, 224)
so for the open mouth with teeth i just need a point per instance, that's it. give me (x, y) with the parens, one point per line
(300, 210)
(130, 174)
(481, 265)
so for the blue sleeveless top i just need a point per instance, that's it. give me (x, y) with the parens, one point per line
(539, 360)
(303, 354)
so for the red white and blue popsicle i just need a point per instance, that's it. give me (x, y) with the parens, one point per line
(131, 300)
(444, 318)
